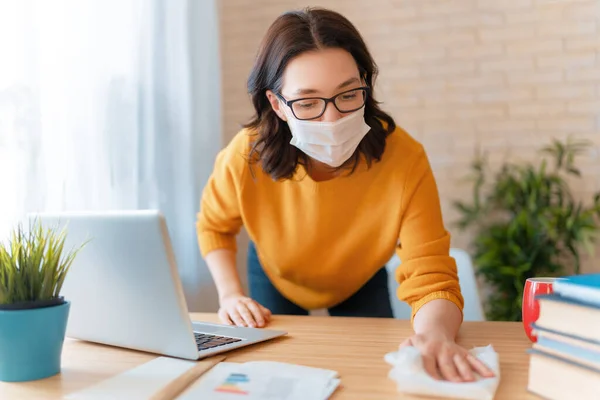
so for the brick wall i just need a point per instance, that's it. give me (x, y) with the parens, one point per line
(504, 75)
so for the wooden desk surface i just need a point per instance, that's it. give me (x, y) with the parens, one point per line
(352, 346)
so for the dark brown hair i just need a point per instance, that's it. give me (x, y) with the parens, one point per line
(291, 34)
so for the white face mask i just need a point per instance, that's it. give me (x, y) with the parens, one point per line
(332, 143)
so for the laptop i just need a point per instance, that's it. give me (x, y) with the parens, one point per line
(125, 290)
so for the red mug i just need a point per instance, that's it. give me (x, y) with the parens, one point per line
(531, 306)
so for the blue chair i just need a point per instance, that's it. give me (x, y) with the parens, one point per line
(473, 310)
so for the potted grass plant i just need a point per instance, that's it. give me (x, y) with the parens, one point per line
(33, 315)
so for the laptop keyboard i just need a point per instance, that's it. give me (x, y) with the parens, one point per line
(206, 341)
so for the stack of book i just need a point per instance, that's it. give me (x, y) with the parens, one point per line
(565, 360)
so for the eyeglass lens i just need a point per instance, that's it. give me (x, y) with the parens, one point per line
(345, 102)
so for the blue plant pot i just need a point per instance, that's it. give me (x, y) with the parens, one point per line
(31, 342)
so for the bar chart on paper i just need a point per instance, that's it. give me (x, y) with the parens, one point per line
(264, 381)
(235, 384)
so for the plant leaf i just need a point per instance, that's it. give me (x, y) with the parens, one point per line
(34, 264)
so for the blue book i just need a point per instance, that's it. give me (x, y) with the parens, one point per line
(552, 376)
(576, 349)
(584, 288)
(569, 316)
(564, 360)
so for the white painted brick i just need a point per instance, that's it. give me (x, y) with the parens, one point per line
(503, 5)
(477, 82)
(565, 91)
(449, 99)
(520, 142)
(536, 109)
(476, 51)
(571, 28)
(567, 2)
(535, 15)
(404, 72)
(444, 8)
(377, 33)
(399, 13)
(411, 123)
(449, 130)
(414, 55)
(448, 69)
(584, 75)
(464, 144)
(585, 107)
(589, 10)
(534, 77)
(566, 124)
(476, 19)
(506, 126)
(423, 25)
(506, 34)
(420, 113)
(505, 95)
(479, 112)
(401, 40)
(507, 65)
(411, 101)
(573, 61)
(383, 58)
(445, 132)
(451, 39)
(584, 43)
(438, 151)
(494, 145)
(534, 47)
(428, 87)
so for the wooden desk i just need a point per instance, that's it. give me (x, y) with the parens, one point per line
(352, 346)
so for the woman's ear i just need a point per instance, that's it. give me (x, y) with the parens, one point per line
(276, 105)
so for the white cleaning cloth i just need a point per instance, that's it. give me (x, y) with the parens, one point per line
(410, 375)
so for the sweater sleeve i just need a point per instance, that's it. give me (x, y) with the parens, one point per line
(427, 271)
(219, 219)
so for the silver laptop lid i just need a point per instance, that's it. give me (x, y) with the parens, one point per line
(124, 286)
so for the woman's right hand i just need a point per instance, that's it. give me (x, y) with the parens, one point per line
(241, 310)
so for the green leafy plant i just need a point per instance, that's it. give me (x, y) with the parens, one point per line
(33, 265)
(527, 223)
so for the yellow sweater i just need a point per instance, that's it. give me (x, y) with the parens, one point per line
(319, 242)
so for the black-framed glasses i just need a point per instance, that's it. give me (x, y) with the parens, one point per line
(313, 107)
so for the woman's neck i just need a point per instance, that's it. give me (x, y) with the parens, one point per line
(319, 171)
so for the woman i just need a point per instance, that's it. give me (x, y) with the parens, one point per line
(327, 188)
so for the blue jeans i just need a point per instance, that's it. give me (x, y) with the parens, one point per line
(371, 300)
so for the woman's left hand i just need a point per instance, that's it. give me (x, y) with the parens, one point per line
(444, 359)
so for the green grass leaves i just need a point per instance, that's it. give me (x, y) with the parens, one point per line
(33, 264)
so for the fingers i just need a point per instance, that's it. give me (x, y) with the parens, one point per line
(445, 359)
(224, 317)
(246, 315)
(236, 317)
(256, 312)
(448, 368)
(463, 367)
(406, 343)
(479, 367)
(266, 312)
(243, 311)
(431, 367)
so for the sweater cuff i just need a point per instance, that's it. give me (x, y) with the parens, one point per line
(210, 241)
(416, 306)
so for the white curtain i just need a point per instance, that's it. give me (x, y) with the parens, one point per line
(111, 104)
